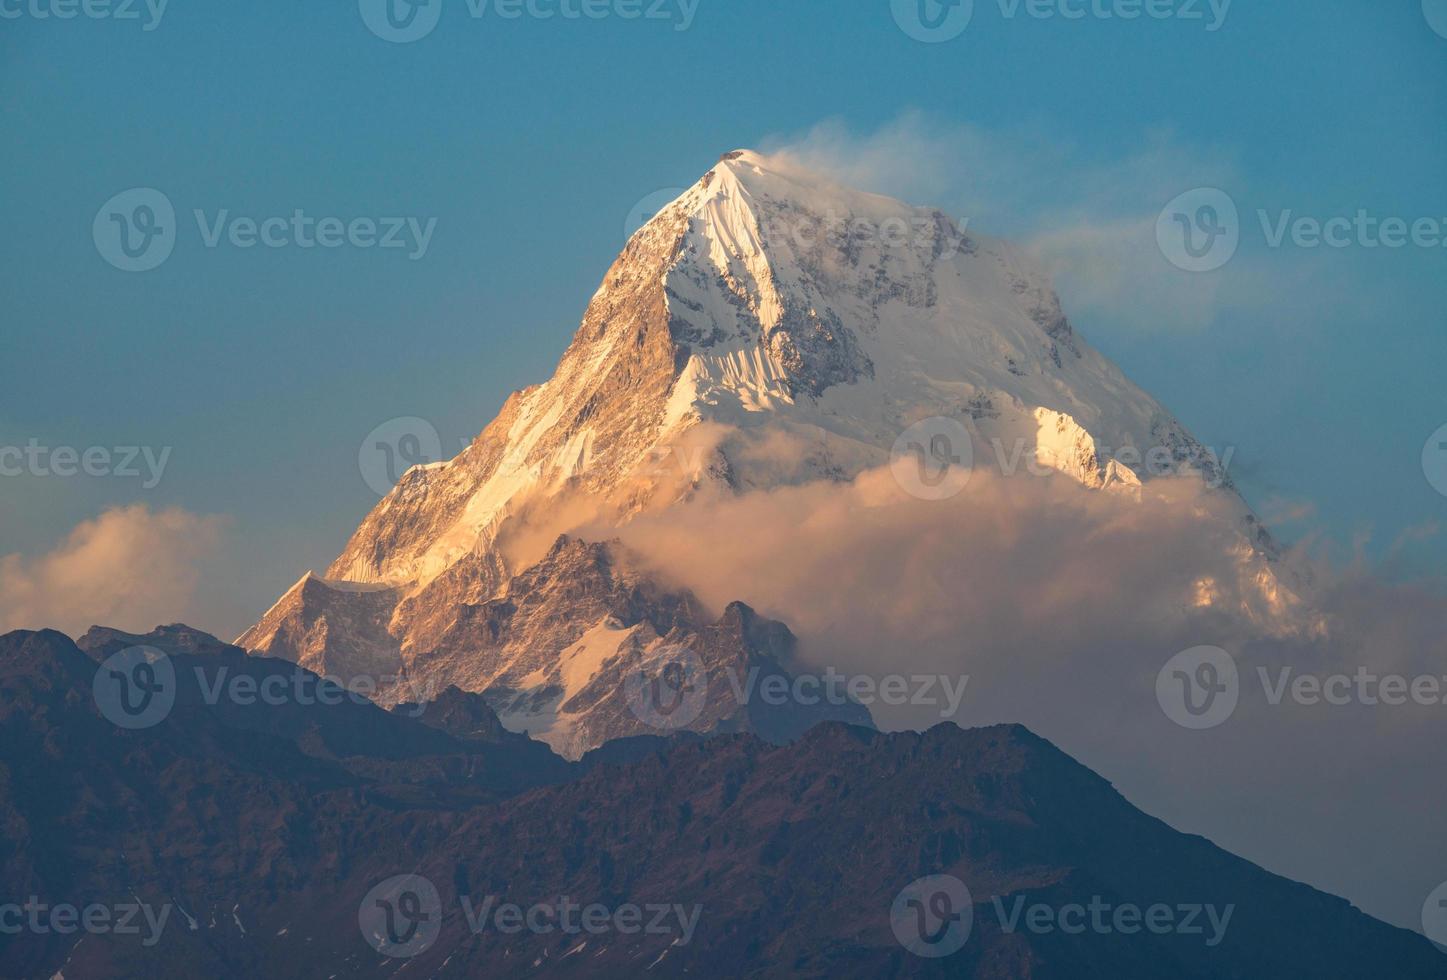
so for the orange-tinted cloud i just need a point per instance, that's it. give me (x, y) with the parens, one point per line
(130, 567)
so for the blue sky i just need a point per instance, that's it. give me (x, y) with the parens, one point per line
(529, 140)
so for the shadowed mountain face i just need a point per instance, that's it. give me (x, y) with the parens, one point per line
(217, 804)
(264, 828)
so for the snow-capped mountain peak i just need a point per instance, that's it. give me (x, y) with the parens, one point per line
(769, 300)
(769, 327)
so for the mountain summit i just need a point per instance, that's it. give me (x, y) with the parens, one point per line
(770, 302)
(767, 328)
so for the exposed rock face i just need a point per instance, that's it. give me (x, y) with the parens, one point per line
(554, 650)
(101, 641)
(330, 628)
(262, 829)
(767, 328)
(462, 715)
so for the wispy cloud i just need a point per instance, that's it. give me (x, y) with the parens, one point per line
(1063, 605)
(130, 567)
(1090, 220)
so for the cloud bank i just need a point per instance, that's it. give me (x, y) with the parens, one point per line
(130, 567)
(1063, 605)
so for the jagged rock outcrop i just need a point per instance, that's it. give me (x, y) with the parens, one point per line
(555, 650)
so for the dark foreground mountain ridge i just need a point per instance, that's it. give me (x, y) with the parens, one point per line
(264, 827)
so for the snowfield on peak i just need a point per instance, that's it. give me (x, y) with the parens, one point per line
(767, 329)
(767, 316)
